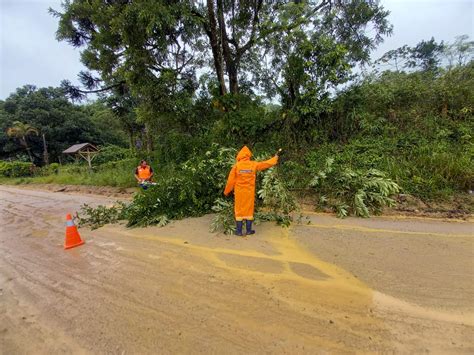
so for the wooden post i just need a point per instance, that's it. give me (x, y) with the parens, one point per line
(88, 156)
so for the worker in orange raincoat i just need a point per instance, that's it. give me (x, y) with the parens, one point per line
(242, 180)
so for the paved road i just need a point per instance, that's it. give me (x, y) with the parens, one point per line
(377, 285)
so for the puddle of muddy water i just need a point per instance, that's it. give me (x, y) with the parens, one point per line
(307, 271)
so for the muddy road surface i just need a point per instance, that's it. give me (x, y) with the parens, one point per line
(339, 286)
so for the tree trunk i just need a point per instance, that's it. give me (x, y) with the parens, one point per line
(227, 60)
(25, 144)
(215, 46)
(148, 138)
(45, 151)
(29, 154)
(230, 62)
(233, 78)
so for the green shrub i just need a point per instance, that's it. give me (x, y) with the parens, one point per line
(242, 119)
(50, 169)
(175, 147)
(224, 221)
(277, 201)
(16, 169)
(54, 168)
(119, 165)
(295, 175)
(358, 192)
(96, 217)
(110, 153)
(75, 168)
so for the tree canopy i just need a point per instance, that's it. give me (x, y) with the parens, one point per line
(157, 49)
(47, 111)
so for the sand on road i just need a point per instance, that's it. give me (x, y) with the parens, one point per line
(376, 285)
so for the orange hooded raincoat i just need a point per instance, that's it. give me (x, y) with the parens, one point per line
(242, 180)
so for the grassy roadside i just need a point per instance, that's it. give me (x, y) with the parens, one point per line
(115, 174)
(102, 178)
(90, 179)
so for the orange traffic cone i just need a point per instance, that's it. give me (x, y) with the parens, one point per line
(73, 239)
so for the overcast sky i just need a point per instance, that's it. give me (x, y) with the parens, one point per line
(30, 54)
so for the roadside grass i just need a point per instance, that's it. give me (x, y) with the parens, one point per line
(103, 177)
(116, 174)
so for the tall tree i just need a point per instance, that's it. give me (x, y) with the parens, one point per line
(21, 131)
(131, 44)
(63, 123)
(147, 49)
(232, 28)
(460, 52)
(136, 43)
(426, 56)
(241, 33)
(314, 51)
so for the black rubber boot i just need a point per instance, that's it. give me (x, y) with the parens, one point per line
(238, 230)
(248, 227)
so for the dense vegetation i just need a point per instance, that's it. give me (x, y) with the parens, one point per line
(30, 114)
(184, 84)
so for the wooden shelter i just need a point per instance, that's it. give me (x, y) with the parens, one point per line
(86, 151)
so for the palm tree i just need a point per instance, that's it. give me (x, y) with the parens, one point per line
(21, 131)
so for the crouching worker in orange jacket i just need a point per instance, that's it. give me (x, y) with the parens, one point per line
(242, 180)
(144, 174)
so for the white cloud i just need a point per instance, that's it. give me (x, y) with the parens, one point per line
(417, 20)
(30, 53)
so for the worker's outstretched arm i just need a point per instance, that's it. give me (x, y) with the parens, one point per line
(262, 165)
(230, 182)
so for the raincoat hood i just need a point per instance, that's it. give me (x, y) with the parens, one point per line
(244, 154)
